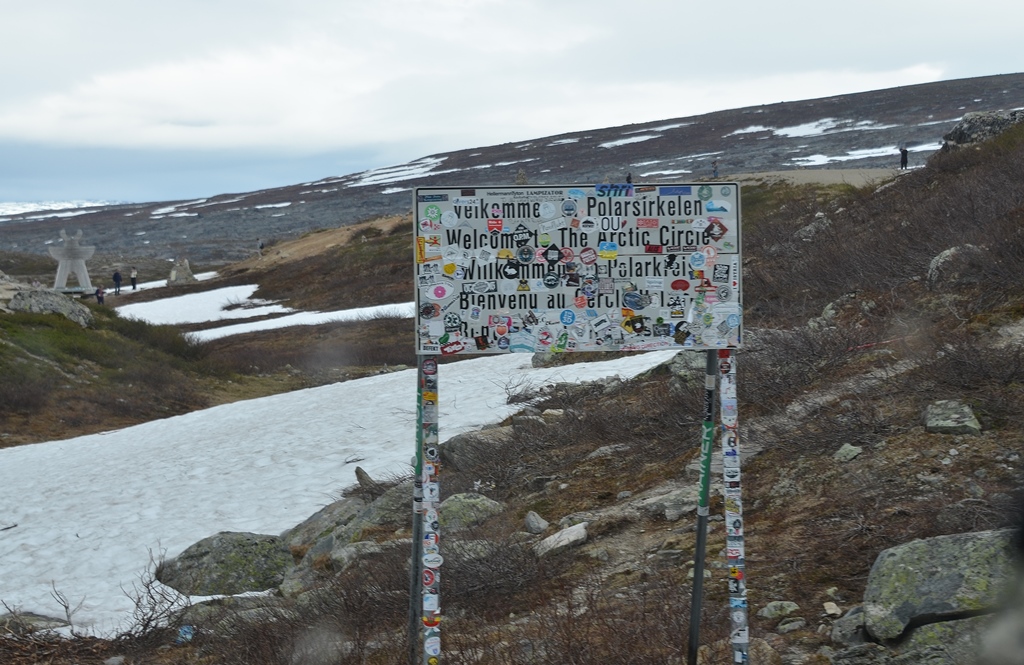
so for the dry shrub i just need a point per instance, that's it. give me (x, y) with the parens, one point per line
(25, 388)
(990, 378)
(590, 624)
(488, 574)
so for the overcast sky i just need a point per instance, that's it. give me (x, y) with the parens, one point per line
(140, 101)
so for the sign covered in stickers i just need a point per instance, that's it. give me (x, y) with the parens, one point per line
(604, 267)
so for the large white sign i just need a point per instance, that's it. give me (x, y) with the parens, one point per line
(612, 267)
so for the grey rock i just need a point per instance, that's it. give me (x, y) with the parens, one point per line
(552, 415)
(526, 423)
(671, 505)
(821, 223)
(368, 484)
(933, 655)
(324, 521)
(862, 654)
(950, 416)
(565, 539)
(608, 451)
(22, 623)
(777, 609)
(391, 509)
(956, 266)
(227, 563)
(980, 126)
(956, 641)
(946, 576)
(847, 453)
(50, 302)
(469, 450)
(544, 359)
(848, 630)
(790, 624)
(462, 511)
(343, 556)
(534, 523)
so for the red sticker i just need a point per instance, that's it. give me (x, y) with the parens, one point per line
(680, 285)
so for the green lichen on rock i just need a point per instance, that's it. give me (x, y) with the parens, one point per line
(228, 563)
(946, 576)
(461, 511)
(960, 639)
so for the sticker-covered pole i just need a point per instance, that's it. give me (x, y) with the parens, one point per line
(703, 501)
(739, 632)
(428, 566)
(424, 506)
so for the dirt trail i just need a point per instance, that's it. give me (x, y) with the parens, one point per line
(855, 177)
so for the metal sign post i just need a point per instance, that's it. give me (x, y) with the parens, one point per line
(706, 444)
(560, 269)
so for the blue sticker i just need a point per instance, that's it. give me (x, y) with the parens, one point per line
(567, 317)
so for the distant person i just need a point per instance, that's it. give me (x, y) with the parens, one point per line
(134, 276)
(714, 168)
(99, 295)
(629, 178)
(117, 282)
(903, 158)
(259, 246)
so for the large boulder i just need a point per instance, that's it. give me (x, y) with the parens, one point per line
(462, 511)
(957, 266)
(324, 522)
(41, 301)
(328, 557)
(936, 579)
(393, 509)
(980, 126)
(465, 451)
(226, 564)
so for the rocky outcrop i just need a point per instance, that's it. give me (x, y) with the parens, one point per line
(41, 301)
(954, 267)
(227, 563)
(324, 521)
(980, 126)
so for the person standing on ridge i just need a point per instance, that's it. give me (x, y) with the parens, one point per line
(117, 282)
(714, 168)
(903, 157)
(134, 275)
